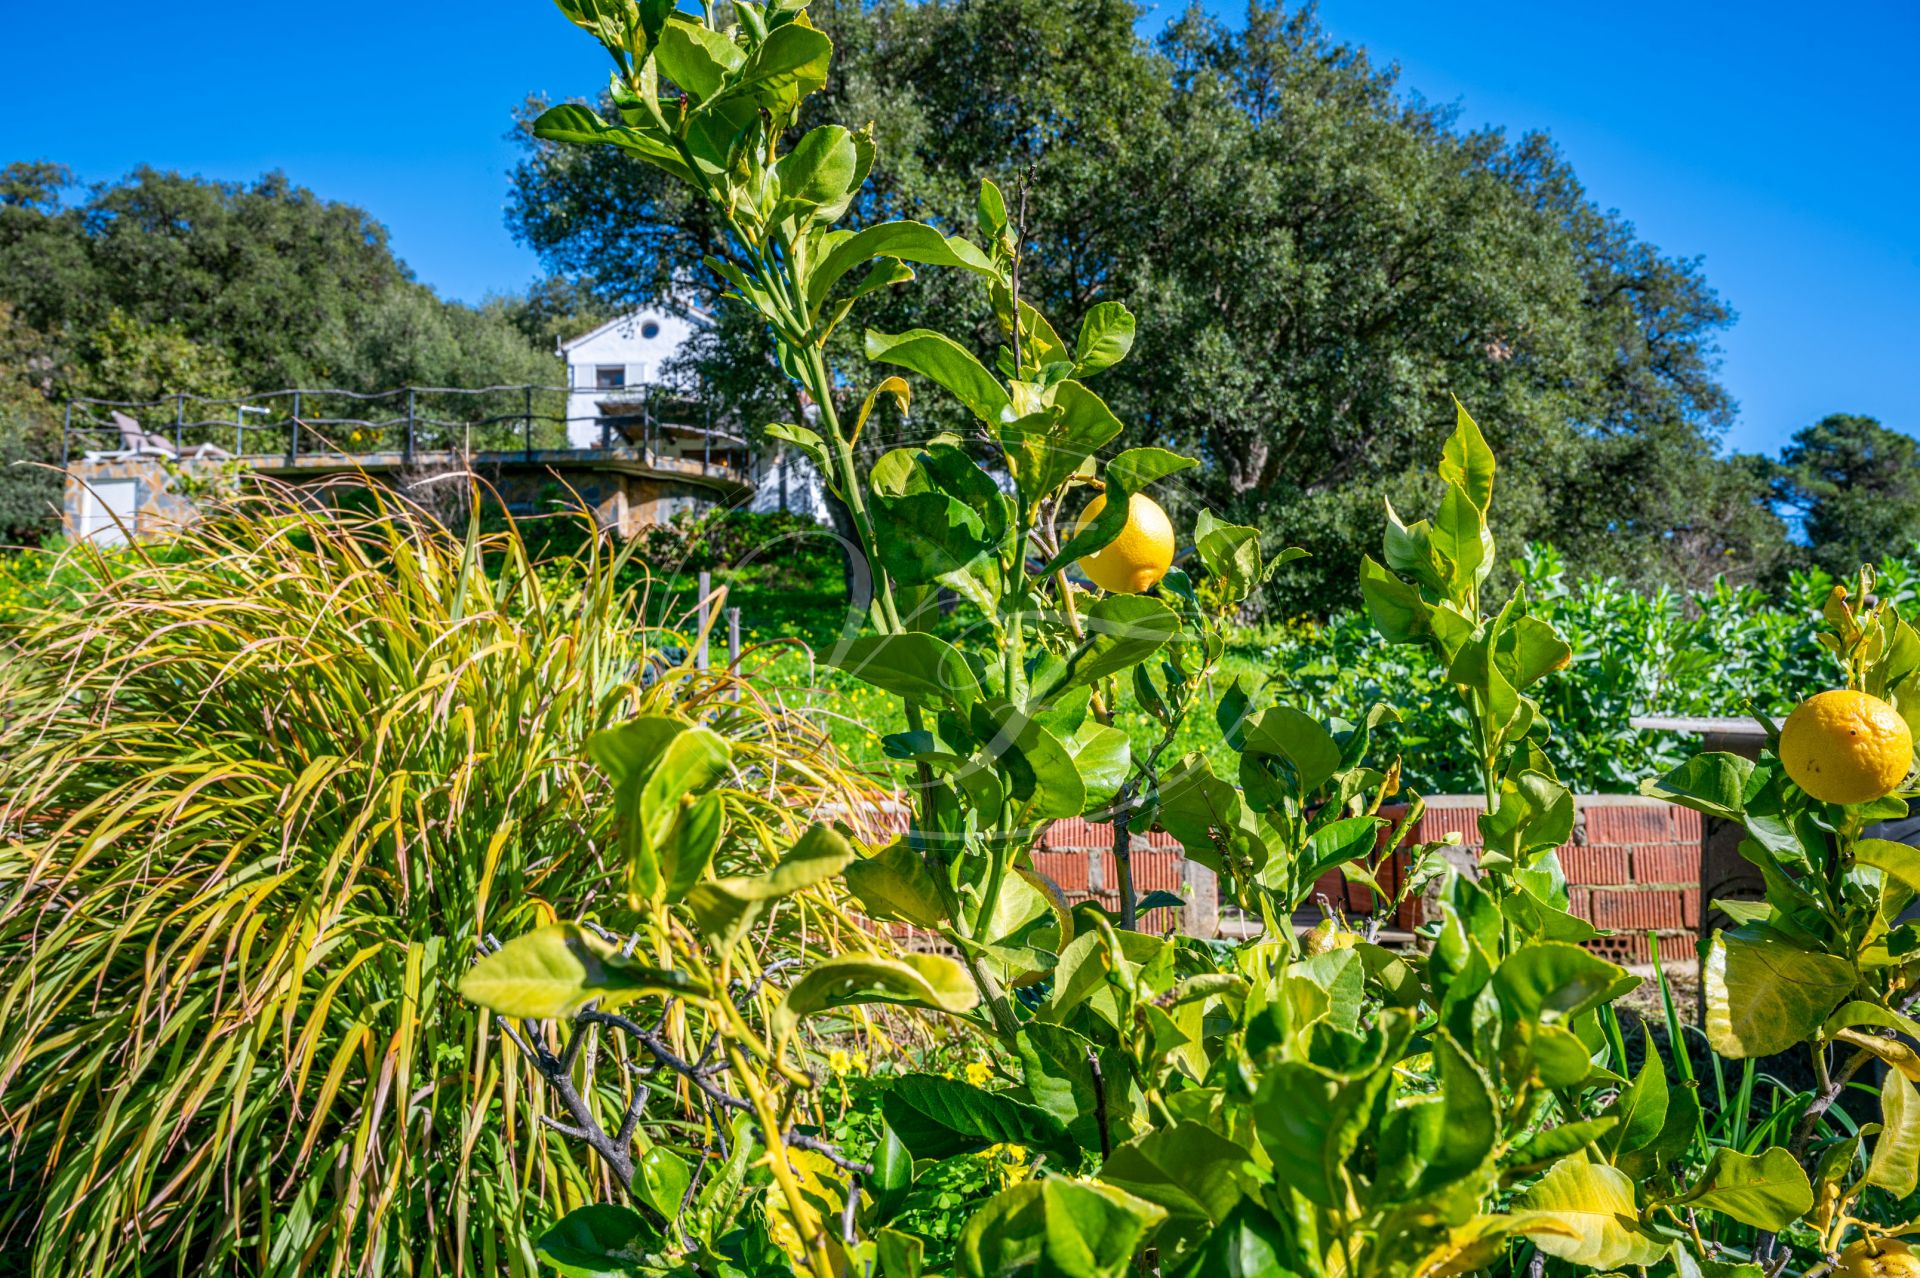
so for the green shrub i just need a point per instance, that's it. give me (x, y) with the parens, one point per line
(1719, 651)
(264, 793)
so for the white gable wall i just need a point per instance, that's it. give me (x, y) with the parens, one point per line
(638, 344)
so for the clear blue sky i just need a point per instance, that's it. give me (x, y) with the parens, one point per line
(1774, 140)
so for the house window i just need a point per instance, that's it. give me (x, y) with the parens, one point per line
(649, 330)
(610, 377)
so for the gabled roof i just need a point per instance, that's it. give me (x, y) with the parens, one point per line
(634, 316)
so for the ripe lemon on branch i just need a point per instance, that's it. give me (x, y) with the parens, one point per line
(1139, 556)
(1887, 1258)
(1846, 747)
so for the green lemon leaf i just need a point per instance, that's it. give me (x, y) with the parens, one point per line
(1461, 542)
(725, 908)
(1897, 859)
(1715, 783)
(946, 363)
(1057, 1228)
(895, 884)
(1249, 1243)
(892, 1173)
(1767, 1191)
(1596, 1202)
(1397, 610)
(917, 980)
(807, 441)
(1106, 335)
(1641, 1107)
(1038, 770)
(696, 57)
(904, 241)
(1283, 732)
(900, 1255)
(603, 1240)
(1192, 1171)
(789, 64)
(940, 1117)
(1102, 756)
(1054, 1067)
(1765, 994)
(1210, 819)
(661, 1181)
(1466, 461)
(1554, 982)
(819, 169)
(1122, 631)
(554, 970)
(1895, 1165)
(913, 665)
(1310, 1122)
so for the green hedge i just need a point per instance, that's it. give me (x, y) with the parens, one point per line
(1718, 651)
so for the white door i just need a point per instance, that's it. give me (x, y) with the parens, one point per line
(106, 501)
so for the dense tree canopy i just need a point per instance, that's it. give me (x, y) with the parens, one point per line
(274, 286)
(162, 283)
(1855, 485)
(1318, 259)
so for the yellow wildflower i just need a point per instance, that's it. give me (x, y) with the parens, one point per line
(979, 1074)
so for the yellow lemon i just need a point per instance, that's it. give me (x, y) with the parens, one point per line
(1139, 556)
(1846, 747)
(1887, 1258)
(1328, 936)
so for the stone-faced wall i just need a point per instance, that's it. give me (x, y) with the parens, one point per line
(156, 505)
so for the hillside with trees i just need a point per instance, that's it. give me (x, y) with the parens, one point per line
(163, 283)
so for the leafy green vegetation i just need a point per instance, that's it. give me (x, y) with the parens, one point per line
(379, 899)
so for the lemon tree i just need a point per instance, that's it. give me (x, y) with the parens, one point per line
(1829, 962)
(1289, 1106)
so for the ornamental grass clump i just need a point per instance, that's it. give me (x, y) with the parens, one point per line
(261, 799)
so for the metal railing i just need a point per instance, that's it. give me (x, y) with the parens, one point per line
(490, 423)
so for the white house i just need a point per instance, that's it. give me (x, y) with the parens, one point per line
(616, 372)
(616, 362)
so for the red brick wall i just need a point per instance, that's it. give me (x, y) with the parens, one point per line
(1633, 866)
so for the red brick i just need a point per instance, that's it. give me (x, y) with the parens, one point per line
(1068, 870)
(1686, 825)
(1641, 908)
(1649, 822)
(1077, 834)
(1632, 947)
(1153, 870)
(1437, 823)
(1671, 863)
(1599, 863)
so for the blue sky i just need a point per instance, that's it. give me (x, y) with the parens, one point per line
(1776, 141)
